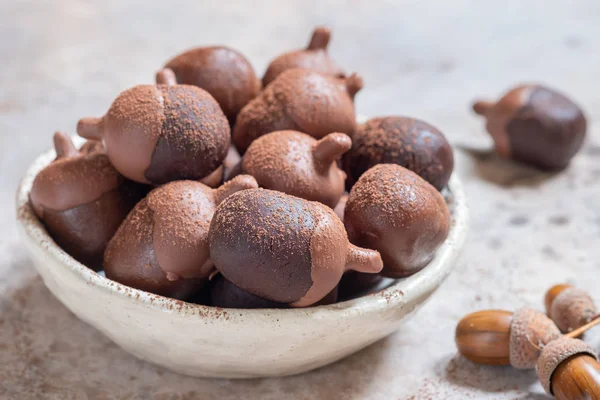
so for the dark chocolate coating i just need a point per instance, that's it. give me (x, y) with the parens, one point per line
(162, 246)
(408, 142)
(297, 164)
(283, 248)
(393, 210)
(82, 200)
(157, 134)
(300, 100)
(225, 294)
(355, 284)
(223, 72)
(313, 57)
(535, 125)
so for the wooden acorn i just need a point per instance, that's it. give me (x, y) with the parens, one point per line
(160, 133)
(408, 142)
(162, 246)
(535, 125)
(496, 337)
(569, 307)
(223, 72)
(82, 200)
(297, 164)
(313, 57)
(300, 100)
(283, 248)
(568, 369)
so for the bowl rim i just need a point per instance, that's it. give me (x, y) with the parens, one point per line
(396, 294)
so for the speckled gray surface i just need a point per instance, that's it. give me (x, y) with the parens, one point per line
(65, 59)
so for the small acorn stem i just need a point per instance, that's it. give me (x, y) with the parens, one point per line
(363, 260)
(166, 76)
(90, 128)
(331, 147)
(579, 331)
(353, 84)
(240, 182)
(481, 107)
(320, 39)
(63, 146)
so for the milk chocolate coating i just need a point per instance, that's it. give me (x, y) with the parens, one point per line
(225, 294)
(393, 210)
(158, 133)
(82, 200)
(283, 248)
(313, 57)
(295, 163)
(223, 72)
(162, 246)
(535, 125)
(408, 142)
(300, 100)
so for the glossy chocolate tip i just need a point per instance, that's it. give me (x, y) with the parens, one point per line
(481, 107)
(63, 145)
(354, 83)
(331, 147)
(90, 128)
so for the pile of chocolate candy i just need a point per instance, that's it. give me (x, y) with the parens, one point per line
(215, 188)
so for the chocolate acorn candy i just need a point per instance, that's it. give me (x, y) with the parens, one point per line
(225, 294)
(295, 163)
(314, 57)
(396, 212)
(535, 125)
(283, 248)
(223, 72)
(162, 246)
(157, 133)
(82, 200)
(408, 142)
(300, 100)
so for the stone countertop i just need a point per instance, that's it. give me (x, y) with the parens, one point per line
(65, 59)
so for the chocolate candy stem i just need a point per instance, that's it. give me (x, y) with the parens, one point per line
(363, 260)
(64, 146)
(320, 39)
(331, 147)
(481, 107)
(90, 128)
(166, 76)
(240, 182)
(353, 84)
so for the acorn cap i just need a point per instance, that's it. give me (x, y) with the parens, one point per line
(529, 331)
(572, 308)
(554, 353)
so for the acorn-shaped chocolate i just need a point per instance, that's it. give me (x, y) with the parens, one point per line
(283, 248)
(223, 72)
(300, 100)
(295, 163)
(535, 125)
(568, 369)
(569, 307)
(496, 337)
(158, 133)
(313, 57)
(82, 200)
(162, 246)
(396, 212)
(408, 142)
(225, 294)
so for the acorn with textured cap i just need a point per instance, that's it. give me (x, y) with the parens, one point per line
(569, 307)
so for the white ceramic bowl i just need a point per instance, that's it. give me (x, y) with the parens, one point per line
(231, 343)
